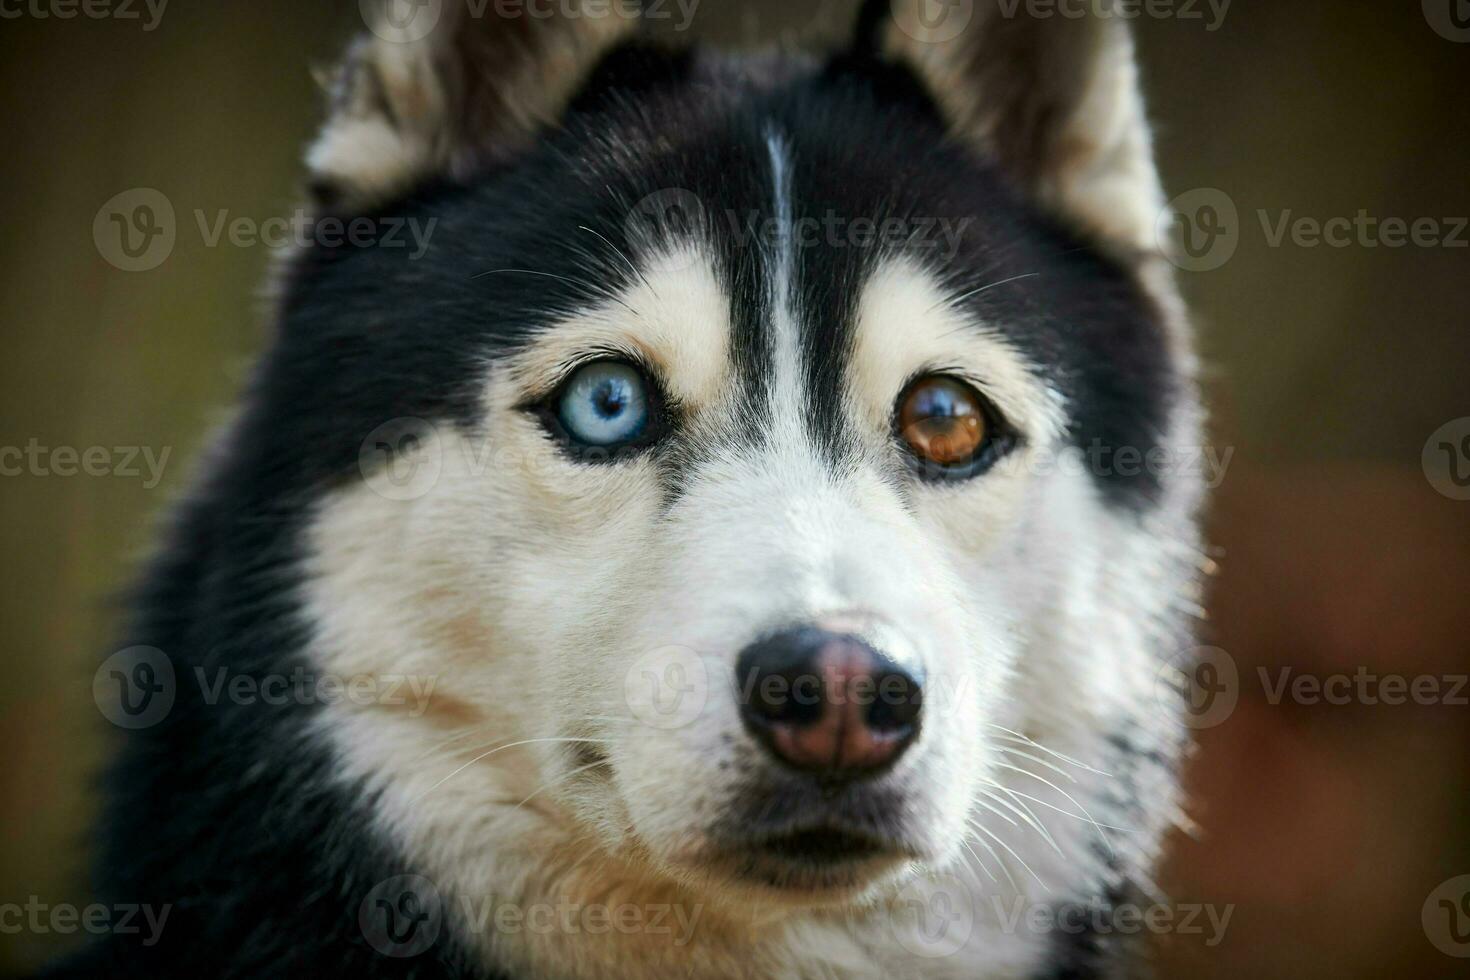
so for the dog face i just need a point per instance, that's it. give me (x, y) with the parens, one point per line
(736, 460)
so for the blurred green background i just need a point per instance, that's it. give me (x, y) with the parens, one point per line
(1329, 368)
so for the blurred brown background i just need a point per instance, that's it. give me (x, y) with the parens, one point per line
(1327, 826)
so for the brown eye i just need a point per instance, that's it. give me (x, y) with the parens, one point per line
(943, 421)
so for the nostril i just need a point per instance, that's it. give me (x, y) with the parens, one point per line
(780, 681)
(897, 703)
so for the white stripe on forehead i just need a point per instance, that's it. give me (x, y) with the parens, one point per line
(785, 385)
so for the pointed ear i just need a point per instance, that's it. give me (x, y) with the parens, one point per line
(1054, 99)
(445, 87)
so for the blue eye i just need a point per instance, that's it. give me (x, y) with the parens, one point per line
(605, 405)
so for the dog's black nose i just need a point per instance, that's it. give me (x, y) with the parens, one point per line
(827, 703)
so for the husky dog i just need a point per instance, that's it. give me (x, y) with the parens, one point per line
(715, 554)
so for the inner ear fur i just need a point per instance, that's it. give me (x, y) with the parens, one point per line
(1053, 99)
(457, 86)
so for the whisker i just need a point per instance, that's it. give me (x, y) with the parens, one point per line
(1070, 798)
(996, 837)
(561, 779)
(981, 864)
(485, 755)
(998, 862)
(1051, 752)
(1066, 813)
(1029, 819)
(1037, 759)
(956, 300)
(591, 288)
(622, 255)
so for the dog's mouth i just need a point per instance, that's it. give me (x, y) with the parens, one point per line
(822, 846)
(822, 858)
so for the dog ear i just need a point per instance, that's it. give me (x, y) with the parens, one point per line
(445, 87)
(1054, 99)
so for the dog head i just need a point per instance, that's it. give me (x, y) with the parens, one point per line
(744, 456)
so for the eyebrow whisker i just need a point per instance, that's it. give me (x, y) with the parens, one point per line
(956, 300)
